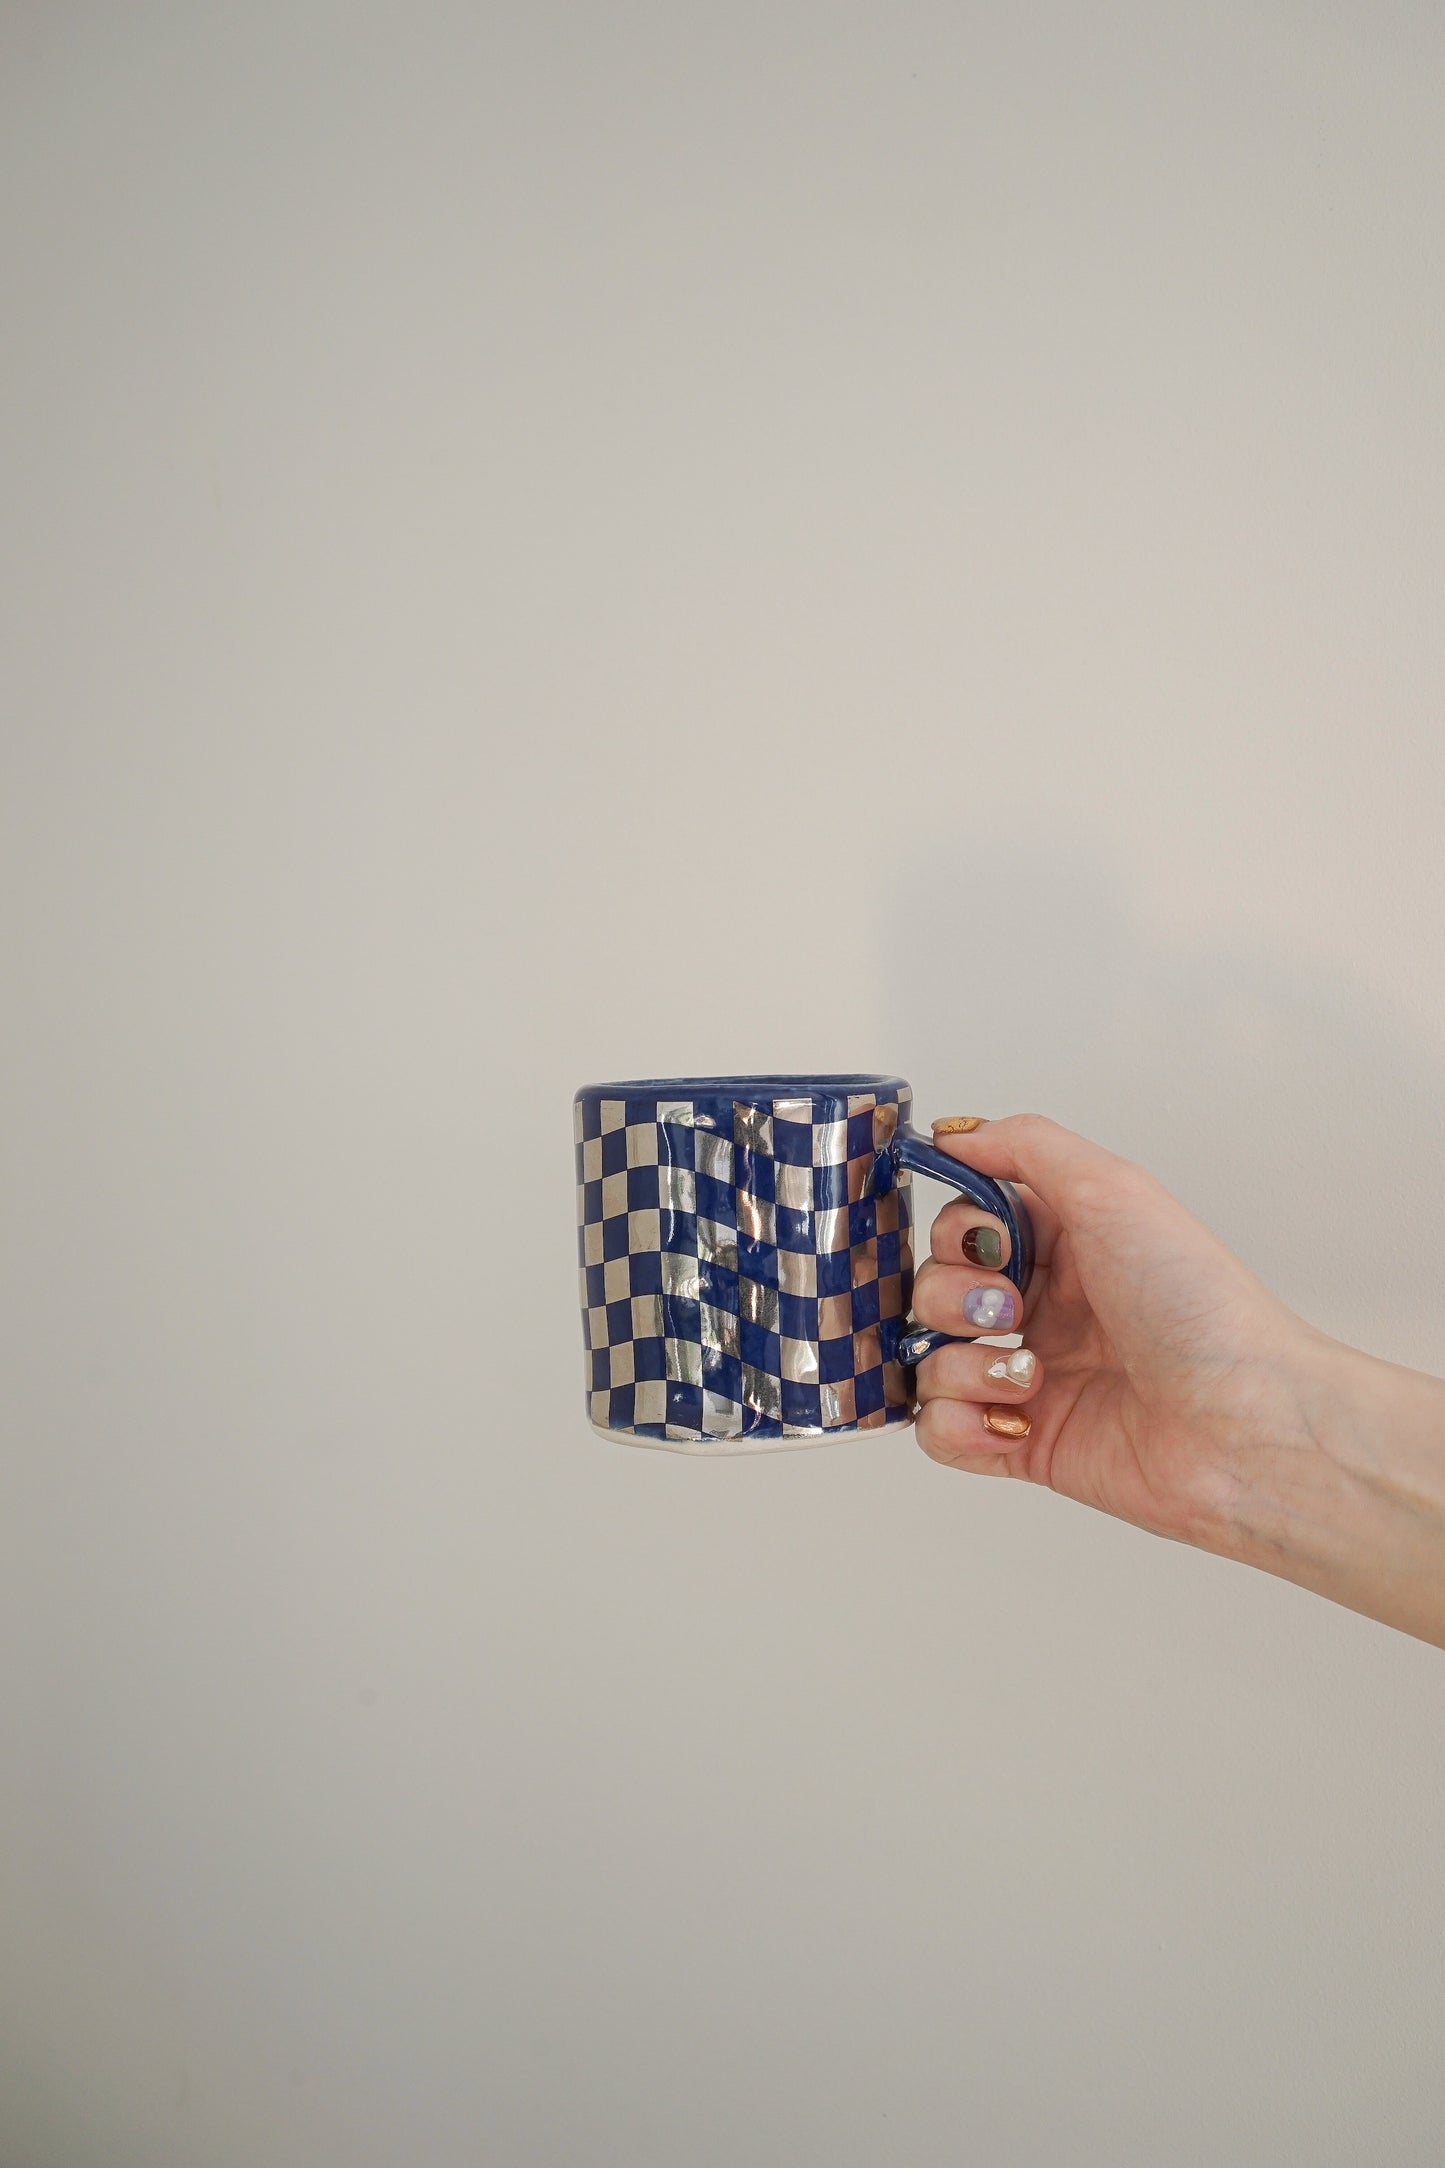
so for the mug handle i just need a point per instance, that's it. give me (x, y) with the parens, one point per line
(917, 1155)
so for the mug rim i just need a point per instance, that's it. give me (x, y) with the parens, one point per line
(796, 1086)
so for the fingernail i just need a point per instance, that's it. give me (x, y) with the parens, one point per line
(992, 1309)
(984, 1246)
(1018, 1366)
(1007, 1422)
(958, 1125)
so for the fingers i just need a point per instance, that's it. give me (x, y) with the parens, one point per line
(1029, 1148)
(974, 1407)
(962, 1298)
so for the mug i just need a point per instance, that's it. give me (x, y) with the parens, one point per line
(745, 1257)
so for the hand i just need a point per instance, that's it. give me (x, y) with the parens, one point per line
(1172, 1389)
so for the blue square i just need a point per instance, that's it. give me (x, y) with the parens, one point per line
(644, 1272)
(596, 1286)
(793, 1143)
(798, 1317)
(716, 1201)
(755, 1175)
(759, 1347)
(794, 1230)
(830, 1187)
(677, 1144)
(591, 1202)
(890, 1255)
(684, 1405)
(614, 1151)
(835, 1272)
(868, 1390)
(862, 1220)
(639, 1110)
(802, 1404)
(679, 1233)
(758, 1425)
(865, 1305)
(719, 1286)
(860, 1135)
(722, 1373)
(619, 1320)
(620, 1411)
(757, 1261)
(614, 1236)
(601, 1370)
(649, 1359)
(835, 1360)
(641, 1188)
(681, 1320)
(591, 1117)
(649, 1430)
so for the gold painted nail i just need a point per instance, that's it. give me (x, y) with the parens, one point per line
(1007, 1422)
(958, 1125)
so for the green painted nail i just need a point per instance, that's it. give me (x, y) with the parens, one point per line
(984, 1246)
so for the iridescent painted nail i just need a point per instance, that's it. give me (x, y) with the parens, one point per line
(992, 1309)
(984, 1246)
(1018, 1366)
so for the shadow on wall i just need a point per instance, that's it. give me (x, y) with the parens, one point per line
(1285, 1102)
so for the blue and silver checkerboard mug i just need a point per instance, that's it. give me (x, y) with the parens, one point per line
(745, 1256)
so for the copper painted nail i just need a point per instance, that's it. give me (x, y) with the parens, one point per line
(958, 1125)
(1006, 1422)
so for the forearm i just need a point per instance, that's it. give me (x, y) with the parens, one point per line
(1355, 1507)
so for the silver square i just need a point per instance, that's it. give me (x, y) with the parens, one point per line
(758, 1304)
(649, 1403)
(582, 1285)
(721, 1417)
(797, 1272)
(832, 1230)
(621, 1360)
(680, 1276)
(753, 1130)
(614, 1115)
(793, 1110)
(684, 1362)
(677, 1187)
(715, 1156)
(642, 1144)
(614, 1195)
(600, 1405)
(717, 1245)
(592, 1159)
(643, 1231)
(757, 1218)
(860, 1102)
(794, 1186)
(576, 1121)
(839, 1403)
(675, 1110)
(597, 1326)
(647, 1317)
(830, 1144)
(616, 1279)
(800, 1362)
(762, 1391)
(719, 1330)
(592, 1243)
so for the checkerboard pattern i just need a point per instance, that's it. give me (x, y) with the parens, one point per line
(745, 1266)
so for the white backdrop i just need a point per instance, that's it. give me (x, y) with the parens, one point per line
(627, 539)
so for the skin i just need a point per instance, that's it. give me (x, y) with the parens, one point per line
(1174, 1390)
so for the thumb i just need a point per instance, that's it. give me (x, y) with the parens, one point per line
(1051, 1160)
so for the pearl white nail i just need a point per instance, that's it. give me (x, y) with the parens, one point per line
(1018, 1367)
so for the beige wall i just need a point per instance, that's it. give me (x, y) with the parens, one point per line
(634, 538)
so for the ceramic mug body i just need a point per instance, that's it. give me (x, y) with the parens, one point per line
(745, 1258)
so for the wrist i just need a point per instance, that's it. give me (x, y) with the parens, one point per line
(1347, 1496)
